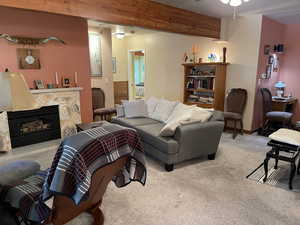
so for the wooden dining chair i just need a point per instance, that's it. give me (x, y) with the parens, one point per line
(270, 117)
(236, 101)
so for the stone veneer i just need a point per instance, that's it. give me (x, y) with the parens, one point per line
(68, 100)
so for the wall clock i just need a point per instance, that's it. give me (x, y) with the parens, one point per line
(28, 58)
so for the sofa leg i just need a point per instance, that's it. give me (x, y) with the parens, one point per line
(169, 167)
(212, 156)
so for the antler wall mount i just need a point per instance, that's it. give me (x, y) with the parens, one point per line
(29, 40)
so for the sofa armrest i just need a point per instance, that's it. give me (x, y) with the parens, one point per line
(199, 138)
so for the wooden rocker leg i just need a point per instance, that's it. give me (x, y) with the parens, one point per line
(97, 214)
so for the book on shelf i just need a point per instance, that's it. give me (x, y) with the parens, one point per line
(206, 99)
(198, 84)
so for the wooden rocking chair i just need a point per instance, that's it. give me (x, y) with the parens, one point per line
(64, 209)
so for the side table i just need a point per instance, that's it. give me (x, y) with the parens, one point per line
(86, 126)
(277, 148)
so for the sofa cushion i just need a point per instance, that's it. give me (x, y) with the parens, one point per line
(120, 110)
(288, 136)
(135, 108)
(134, 122)
(151, 105)
(163, 110)
(151, 135)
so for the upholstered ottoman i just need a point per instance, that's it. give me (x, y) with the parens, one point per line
(17, 170)
(9, 174)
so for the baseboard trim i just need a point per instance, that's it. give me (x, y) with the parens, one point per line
(245, 131)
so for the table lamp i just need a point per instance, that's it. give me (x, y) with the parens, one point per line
(14, 93)
(280, 86)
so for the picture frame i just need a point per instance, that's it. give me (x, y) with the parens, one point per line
(66, 82)
(39, 84)
(114, 64)
(95, 48)
(28, 59)
(267, 49)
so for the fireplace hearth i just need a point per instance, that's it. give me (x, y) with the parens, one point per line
(34, 126)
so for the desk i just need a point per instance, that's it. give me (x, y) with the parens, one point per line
(284, 104)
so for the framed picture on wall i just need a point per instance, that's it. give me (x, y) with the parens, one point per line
(28, 59)
(267, 49)
(114, 64)
(95, 54)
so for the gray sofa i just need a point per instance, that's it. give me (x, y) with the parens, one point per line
(190, 141)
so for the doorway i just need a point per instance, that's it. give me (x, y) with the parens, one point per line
(136, 75)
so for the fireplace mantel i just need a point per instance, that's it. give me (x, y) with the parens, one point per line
(68, 100)
(54, 90)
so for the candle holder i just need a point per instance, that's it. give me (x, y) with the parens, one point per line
(56, 80)
(76, 79)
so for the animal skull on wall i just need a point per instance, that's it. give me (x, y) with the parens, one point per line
(30, 41)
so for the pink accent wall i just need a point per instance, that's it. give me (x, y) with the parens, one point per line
(290, 69)
(54, 57)
(272, 33)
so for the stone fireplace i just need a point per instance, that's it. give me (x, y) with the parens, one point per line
(34, 126)
(66, 101)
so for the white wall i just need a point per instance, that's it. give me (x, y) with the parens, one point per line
(119, 50)
(106, 81)
(164, 57)
(164, 52)
(243, 45)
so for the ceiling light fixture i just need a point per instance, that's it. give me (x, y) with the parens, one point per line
(235, 4)
(119, 35)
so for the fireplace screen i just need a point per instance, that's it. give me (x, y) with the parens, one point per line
(35, 126)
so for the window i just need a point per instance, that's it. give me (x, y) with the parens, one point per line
(95, 54)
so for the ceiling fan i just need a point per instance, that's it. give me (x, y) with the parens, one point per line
(234, 3)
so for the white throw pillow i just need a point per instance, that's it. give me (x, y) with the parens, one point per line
(286, 136)
(170, 128)
(200, 115)
(163, 110)
(120, 110)
(179, 110)
(135, 108)
(184, 115)
(151, 105)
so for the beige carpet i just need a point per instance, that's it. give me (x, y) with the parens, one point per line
(198, 192)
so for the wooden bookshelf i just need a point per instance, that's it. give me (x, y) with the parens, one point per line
(204, 84)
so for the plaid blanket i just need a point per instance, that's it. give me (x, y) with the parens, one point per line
(77, 158)
(25, 196)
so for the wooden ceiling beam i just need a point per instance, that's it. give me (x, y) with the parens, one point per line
(141, 13)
